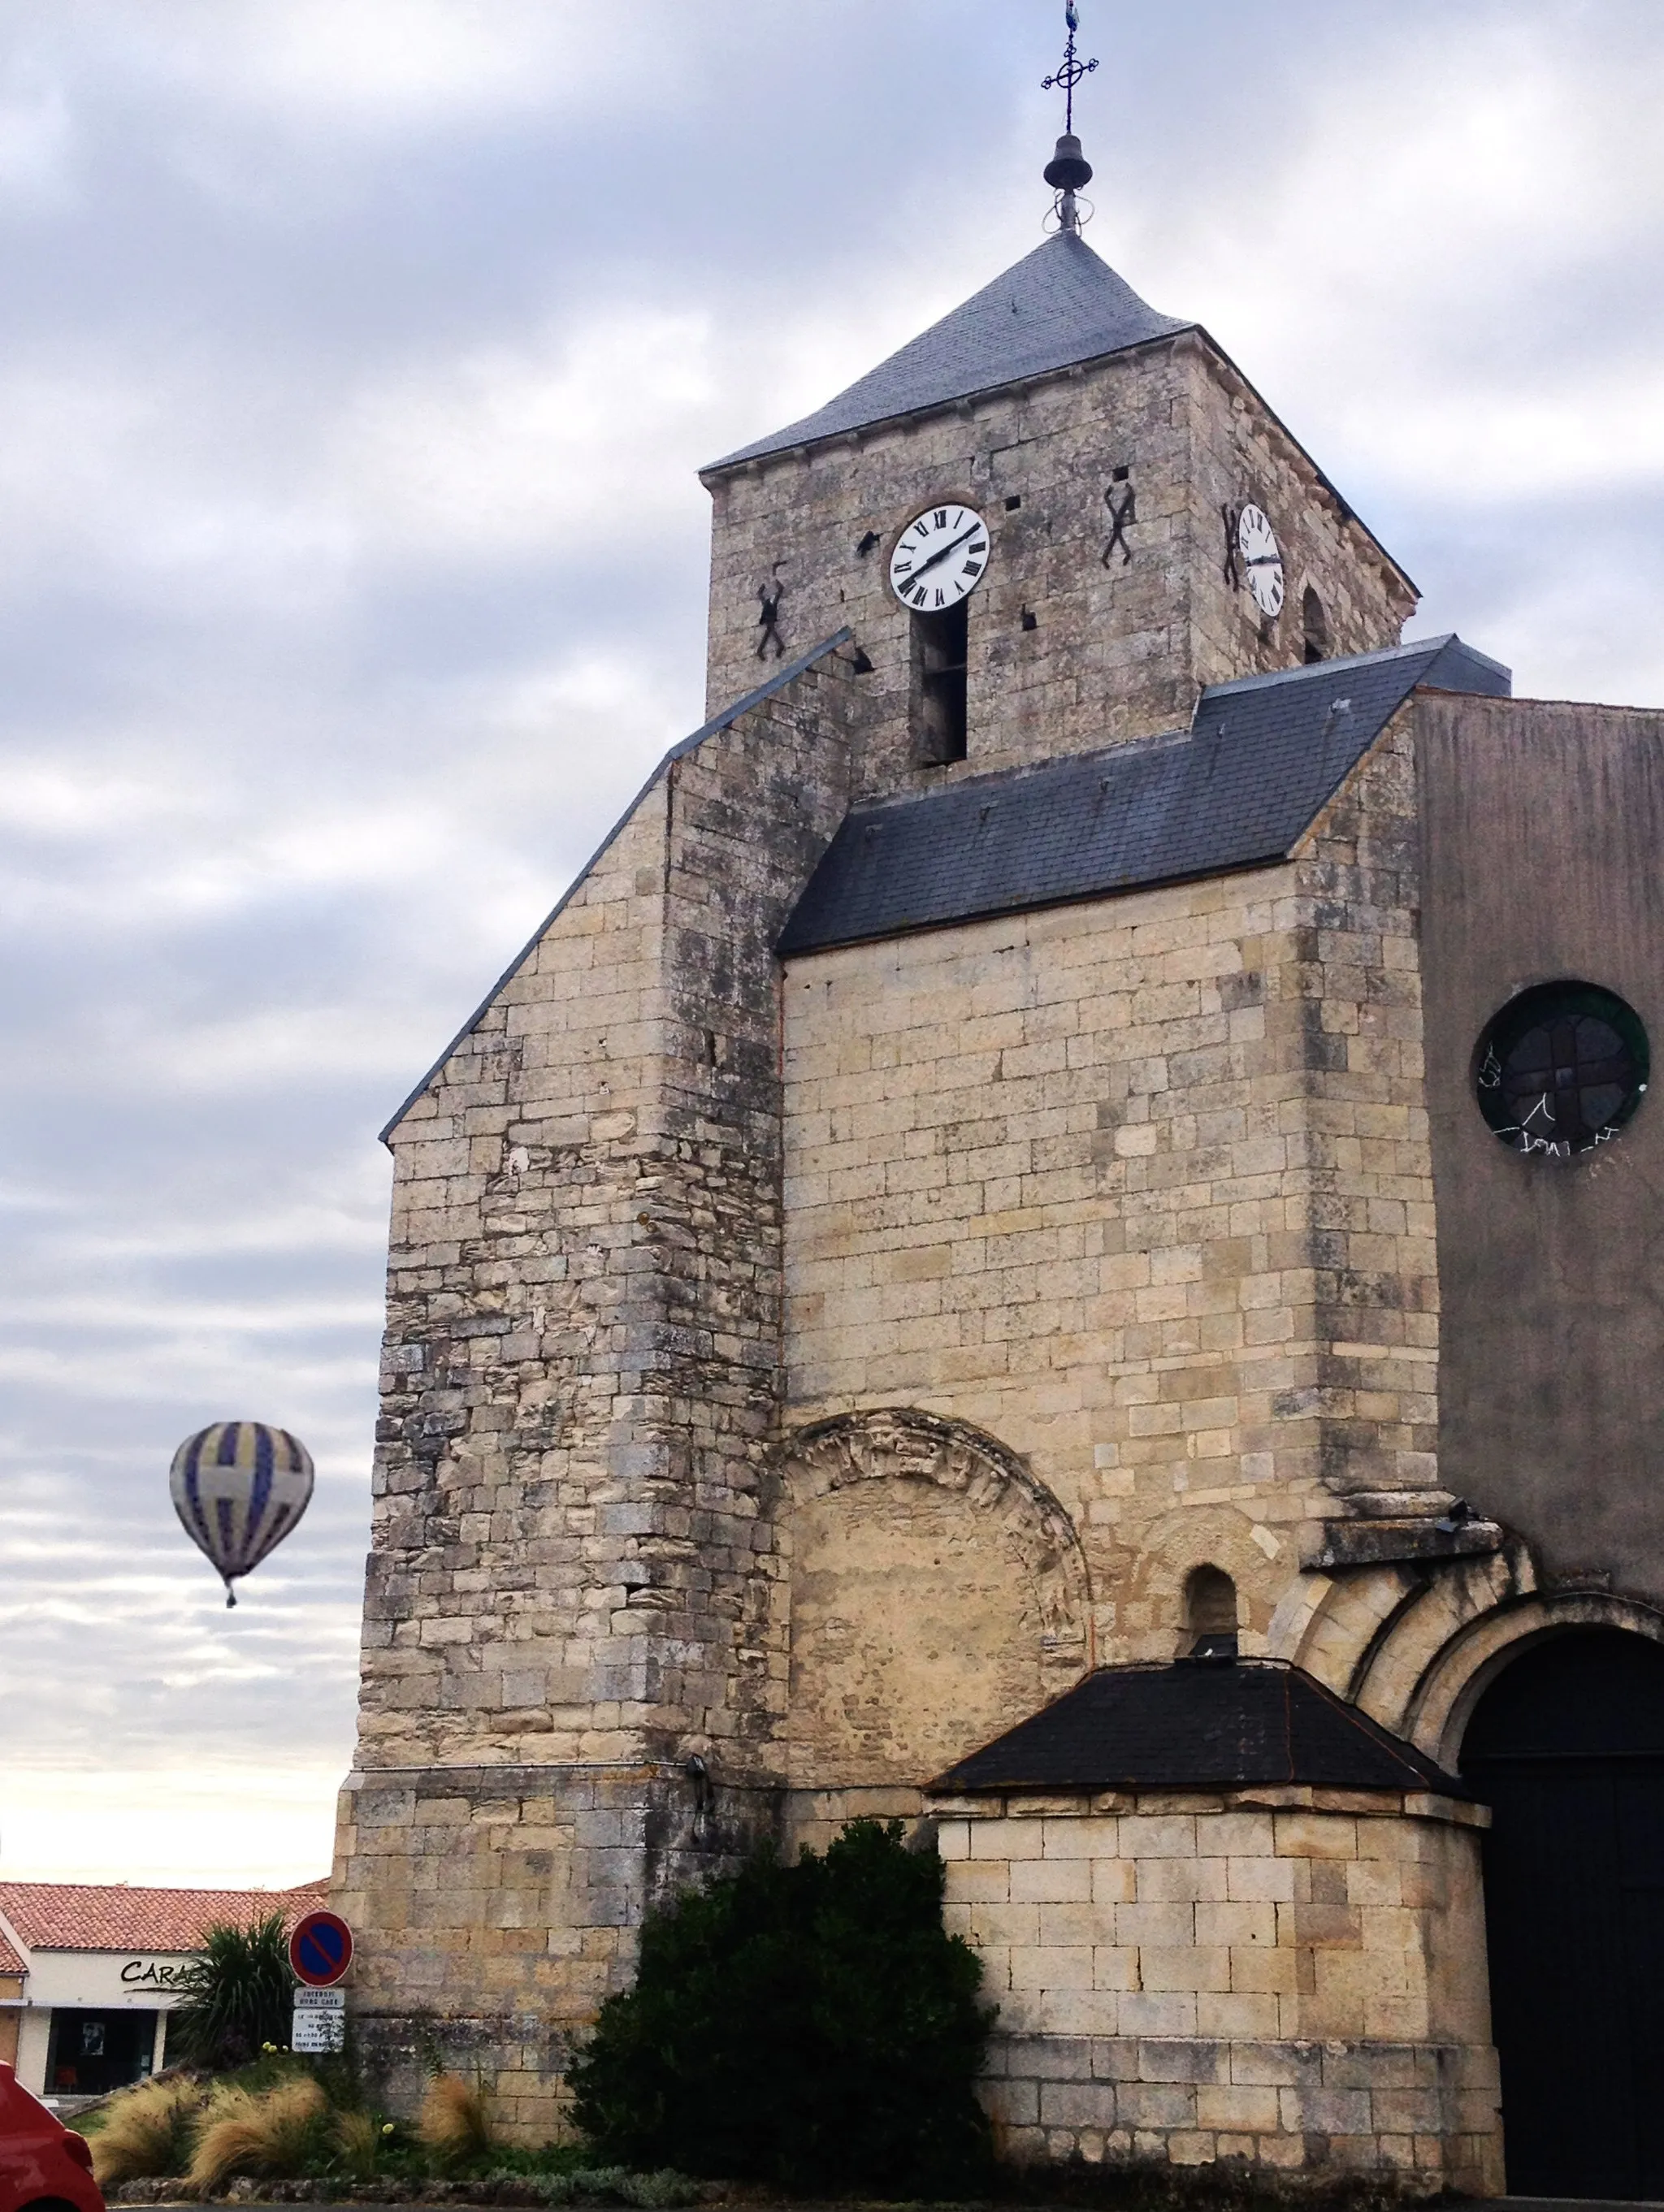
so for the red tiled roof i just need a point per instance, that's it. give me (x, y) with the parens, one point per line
(9, 1961)
(76, 1916)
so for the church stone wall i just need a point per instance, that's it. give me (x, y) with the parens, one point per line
(568, 1585)
(1108, 655)
(1241, 455)
(1141, 1188)
(1119, 648)
(1544, 823)
(1293, 1976)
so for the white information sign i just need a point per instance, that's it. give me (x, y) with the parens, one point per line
(320, 2021)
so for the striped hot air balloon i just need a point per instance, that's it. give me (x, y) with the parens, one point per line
(238, 1488)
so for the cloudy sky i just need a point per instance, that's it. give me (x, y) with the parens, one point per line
(356, 360)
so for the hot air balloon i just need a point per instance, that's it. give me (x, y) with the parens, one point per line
(240, 1487)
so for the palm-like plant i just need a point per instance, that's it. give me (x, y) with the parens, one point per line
(239, 1997)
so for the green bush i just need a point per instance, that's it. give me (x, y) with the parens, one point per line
(810, 2025)
(239, 1997)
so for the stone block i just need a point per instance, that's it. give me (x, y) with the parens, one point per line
(1051, 1881)
(1078, 2104)
(1247, 2111)
(1278, 2065)
(1144, 2012)
(1183, 2059)
(1156, 2105)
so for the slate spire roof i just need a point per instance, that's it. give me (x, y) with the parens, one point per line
(1059, 306)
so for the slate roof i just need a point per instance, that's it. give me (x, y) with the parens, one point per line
(1060, 305)
(1262, 758)
(75, 1916)
(1198, 1724)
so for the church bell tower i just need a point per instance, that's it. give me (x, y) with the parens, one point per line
(960, 1274)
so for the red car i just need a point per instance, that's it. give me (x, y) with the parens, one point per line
(41, 2162)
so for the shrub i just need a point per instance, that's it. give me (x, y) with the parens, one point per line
(146, 2131)
(239, 1997)
(455, 2123)
(811, 2025)
(278, 2132)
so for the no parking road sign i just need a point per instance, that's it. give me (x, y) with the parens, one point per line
(321, 1949)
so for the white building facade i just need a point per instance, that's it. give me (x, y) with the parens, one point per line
(89, 1972)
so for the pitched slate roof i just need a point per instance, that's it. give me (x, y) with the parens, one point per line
(75, 1916)
(1262, 758)
(1198, 1724)
(1060, 305)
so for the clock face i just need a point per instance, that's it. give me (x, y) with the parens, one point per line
(1261, 563)
(939, 559)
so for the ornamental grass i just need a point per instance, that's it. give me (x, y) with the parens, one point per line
(146, 2132)
(456, 2123)
(277, 2133)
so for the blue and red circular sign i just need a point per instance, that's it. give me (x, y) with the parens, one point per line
(319, 1949)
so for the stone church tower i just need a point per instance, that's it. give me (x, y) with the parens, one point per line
(1059, 1237)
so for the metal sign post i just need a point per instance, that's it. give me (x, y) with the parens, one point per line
(319, 1952)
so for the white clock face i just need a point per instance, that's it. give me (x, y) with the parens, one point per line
(1261, 563)
(939, 559)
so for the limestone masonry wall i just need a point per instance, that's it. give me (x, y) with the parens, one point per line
(1118, 649)
(567, 1581)
(1140, 1188)
(1289, 1976)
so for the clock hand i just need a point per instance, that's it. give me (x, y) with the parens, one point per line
(936, 559)
(1265, 560)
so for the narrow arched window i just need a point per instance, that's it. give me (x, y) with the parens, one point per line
(1315, 625)
(1210, 1614)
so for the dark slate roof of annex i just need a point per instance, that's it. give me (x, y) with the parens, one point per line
(1198, 1724)
(1059, 306)
(1237, 790)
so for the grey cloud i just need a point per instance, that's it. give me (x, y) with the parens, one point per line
(353, 569)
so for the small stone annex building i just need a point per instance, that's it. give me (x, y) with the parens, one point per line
(1060, 1238)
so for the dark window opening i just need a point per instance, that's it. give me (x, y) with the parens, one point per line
(1562, 1069)
(1315, 625)
(941, 656)
(91, 2053)
(1210, 1627)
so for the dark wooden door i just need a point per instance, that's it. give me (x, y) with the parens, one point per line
(1568, 1747)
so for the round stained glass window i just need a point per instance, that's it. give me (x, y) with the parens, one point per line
(1561, 1069)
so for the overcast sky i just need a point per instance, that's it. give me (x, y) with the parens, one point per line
(357, 357)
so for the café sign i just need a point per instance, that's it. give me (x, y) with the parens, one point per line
(155, 1973)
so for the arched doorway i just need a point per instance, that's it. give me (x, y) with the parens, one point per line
(1567, 1745)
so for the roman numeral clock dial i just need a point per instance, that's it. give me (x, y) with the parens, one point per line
(939, 559)
(1261, 561)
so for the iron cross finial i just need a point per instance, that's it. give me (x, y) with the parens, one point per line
(1073, 69)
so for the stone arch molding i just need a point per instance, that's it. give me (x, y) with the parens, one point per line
(936, 1594)
(1415, 1649)
(899, 1444)
(1459, 1674)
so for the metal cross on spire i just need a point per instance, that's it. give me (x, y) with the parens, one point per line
(1068, 170)
(1073, 70)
